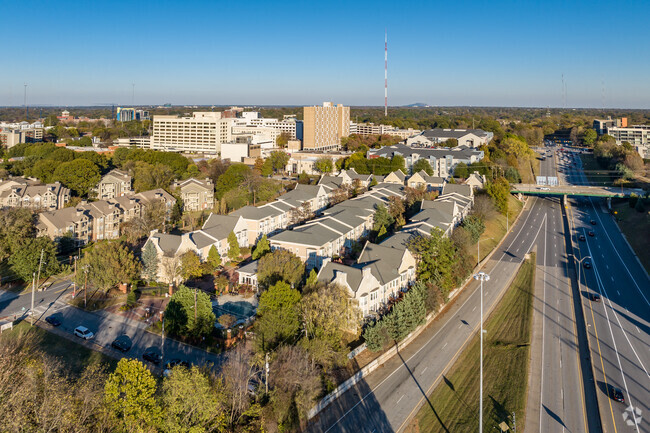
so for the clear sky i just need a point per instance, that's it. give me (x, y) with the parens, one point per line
(452, 52)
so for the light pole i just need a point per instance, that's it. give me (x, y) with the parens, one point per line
(579, 267)
(481, 276)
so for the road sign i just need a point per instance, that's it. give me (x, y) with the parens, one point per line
(551, 181)
(541, 180)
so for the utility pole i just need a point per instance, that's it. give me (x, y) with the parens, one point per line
(514, 423)
(74, 282)
(481, 276)
(163, 337)
(194, 307)
(85, 285)
(31, 310)
(40, 262)
(266, 369)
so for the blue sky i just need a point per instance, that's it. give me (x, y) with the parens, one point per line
(495, 53)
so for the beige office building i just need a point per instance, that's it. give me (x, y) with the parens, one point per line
(324, 126)
(204, 132)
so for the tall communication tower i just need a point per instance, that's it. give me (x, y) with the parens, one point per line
(385, 73)
(25, 103)
(563, 92)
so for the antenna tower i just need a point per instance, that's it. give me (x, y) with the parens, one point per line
(25, 103)
(385, 73)
(563, 93)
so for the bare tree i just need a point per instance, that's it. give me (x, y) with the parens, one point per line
(238, 373)
(172, 268)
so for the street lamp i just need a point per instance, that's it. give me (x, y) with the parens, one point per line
(579, 267)
(481, 276)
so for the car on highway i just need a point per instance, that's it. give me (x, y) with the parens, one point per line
(592, 222)
(587, 264)
(83, 332)
(545, 188)
(616, 394)
(122, 343)
(152, 354)
(582, 238)
(591, 233)
(53, 320)
(595, 297)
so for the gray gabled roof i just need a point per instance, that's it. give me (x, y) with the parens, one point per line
(353, 275)
(440, 133)
(383, 261)
(168, 243)
(399, 240)
(462, 189)
(256, 213)
(249, 268)
(201, 239)
(432, 180)
(458, 152)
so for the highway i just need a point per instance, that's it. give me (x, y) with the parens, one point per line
(618, 326)
(386, 399)
(561, 395)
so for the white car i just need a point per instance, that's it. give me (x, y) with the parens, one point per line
(545, 189)
(83, 332)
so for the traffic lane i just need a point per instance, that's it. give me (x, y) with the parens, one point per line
(349, 410)
(108, 326)
(624, 366)
(13, 303)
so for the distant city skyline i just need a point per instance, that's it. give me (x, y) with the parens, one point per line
(472, 53)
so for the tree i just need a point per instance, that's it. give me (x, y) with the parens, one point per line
(438, 259)
(261, 247)
(129, 394)
(278, 316)
(461, 170)
(193, 402)
(312, 279)
(233, 246)
(324, 165)
(639, 205)
(382, 233)
(79, 175)
(150, 262)
(26, 255)
(423, 164)
(189, 313)
(499, 191)
(16, 227)
(171, 268)
(44, 170)
(279, 160)
(214, 258)
(231, 178)
(381, 218)
(516, 145)
(452, 142)
(191, 266)
(282, 140)
(108, 263)
(280, 265)
(589, 137)
(474, 226)
(398, 162)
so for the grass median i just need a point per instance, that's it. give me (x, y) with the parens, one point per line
(453, 406)
(636, 227)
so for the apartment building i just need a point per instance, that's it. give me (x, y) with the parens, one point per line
(129, 114)
(472, 138)
(636, 135)
(377, 277)
(203, 132)
(115, 183)
(22, 192)
(74, 221)
(422, 180)
(324, 126)
(20, 132)
(196, 194)
(289, 125)
(365, 129)
(442, 160)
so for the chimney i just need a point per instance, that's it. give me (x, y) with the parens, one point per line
(84, 203)
(79, 211)
(341, 277)
(365, 272)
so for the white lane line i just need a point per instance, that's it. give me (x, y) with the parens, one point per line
(473, 309)
(541, 384)
(444, 345)
(400, 399)
(607, 266)
(460, 326)
(612, 278)
(619, 293)
(637, 329)
(423, 370)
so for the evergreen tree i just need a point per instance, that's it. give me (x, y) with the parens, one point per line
(382, 233)
(312, 279)
(150, 262)
(262, 247)
(214, 258)
(233, 244)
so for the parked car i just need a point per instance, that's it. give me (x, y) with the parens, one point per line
(587, 264)
(592, 222)
(83, 332)
(53, 320)
(122, 343)
(616, 394)
(174, 363)
(152, 354)
(595, 297)
(582, 238)
(591, 233)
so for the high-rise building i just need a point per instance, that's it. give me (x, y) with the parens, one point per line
(324, 126)
(128, 114)
(204, 132)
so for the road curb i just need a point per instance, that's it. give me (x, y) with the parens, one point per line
(379, 361)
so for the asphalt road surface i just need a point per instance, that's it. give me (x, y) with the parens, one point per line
(388, 397)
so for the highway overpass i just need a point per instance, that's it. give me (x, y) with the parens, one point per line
(574, 190)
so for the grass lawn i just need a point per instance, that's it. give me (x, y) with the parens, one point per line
(495, 229)
(636, 227)
(453, 405)
(75, 356)
(528, 170)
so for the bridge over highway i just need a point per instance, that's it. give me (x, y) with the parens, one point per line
(574, 190)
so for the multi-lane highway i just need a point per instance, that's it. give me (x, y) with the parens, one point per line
(560, 395)
(619, 324)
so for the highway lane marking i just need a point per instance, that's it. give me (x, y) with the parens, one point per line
(607, 266)
(473, 309)
(599, 282)
(417, 406)
(400, 399)
(541, 382)
(423, 370)
(619, 293)
(637, 329)
(611, 278)
(445, 345)
(616, 251)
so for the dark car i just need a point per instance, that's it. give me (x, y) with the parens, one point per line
(122, 343)
(175, 363)
(152, 354)
(53, 320)
(616, 394)
(587, 264)
(582, 237)
(593, 222)
(595, 297)
(592, 234)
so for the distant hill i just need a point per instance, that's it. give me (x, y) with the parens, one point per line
(418, 105)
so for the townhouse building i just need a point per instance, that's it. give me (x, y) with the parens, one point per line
(21, 192)
(396, 177)
(378, 275)
(196, 194)
(472, 138)
(422, 180)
